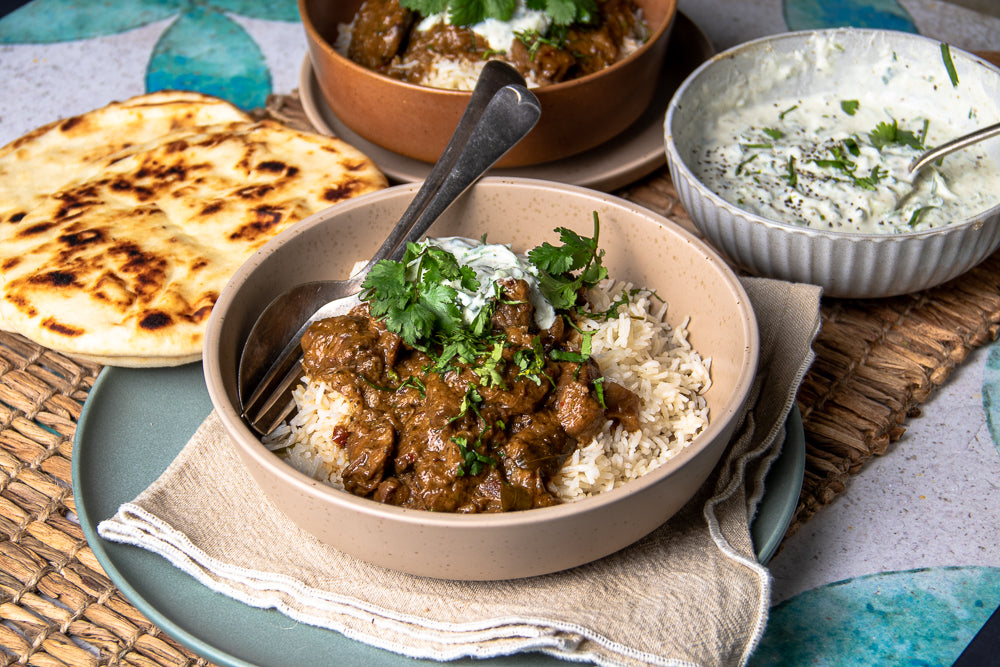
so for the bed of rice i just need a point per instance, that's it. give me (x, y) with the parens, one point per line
(638, 350)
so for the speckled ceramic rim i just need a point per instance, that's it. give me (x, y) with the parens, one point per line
(692, 80)
(334, 54)
(251, 444)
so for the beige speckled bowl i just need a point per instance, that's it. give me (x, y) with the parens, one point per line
(417, 121)
(641, 247)
(845, 264)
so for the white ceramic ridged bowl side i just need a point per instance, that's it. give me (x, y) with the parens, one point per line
(850, 265)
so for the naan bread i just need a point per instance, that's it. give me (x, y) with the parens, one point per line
(47, 158)
(124, 265)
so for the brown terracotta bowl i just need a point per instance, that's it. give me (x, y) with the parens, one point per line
(417, 121)
(640, 246)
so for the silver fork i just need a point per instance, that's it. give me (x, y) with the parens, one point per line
(500, 113)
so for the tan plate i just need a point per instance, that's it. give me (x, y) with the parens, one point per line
(633, 154)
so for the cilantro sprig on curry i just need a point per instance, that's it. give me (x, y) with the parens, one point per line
(469, 374)
(418, 296)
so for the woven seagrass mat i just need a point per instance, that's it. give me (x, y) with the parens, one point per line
(876, 361)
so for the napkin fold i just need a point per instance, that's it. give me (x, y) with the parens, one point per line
(690, 593)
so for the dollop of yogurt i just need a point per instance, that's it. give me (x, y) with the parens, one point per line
(492, 262)
(839, 160)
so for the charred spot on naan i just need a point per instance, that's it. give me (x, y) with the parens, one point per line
(261, 224)
(36, 229)
(155, 320)
(56, 278)
(344, 190)
(57, 327)
(276, 167)
(83, 237)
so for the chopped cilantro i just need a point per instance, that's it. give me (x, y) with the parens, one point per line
(842, 163)
(886, 134)
(850, 107)
(949, 64)
(415, 298)
(599, 390)
(917, 213)
(773, 133)
(739, 167)
(472, 462)
(531, 361)
(578, 253)
(791, 175)
(869, 182)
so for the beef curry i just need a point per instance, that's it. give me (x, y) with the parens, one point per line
(485, 436)
(385, 38)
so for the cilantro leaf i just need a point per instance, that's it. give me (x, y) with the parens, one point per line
(565, 12)
(441, 300)
(850, 107)
(885, 134)
(556, 264)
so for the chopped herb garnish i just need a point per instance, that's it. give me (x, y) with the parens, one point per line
(917, 213)
(886, 134)
(531, 361)
(473, 462)
(578, 357)
(469, 12)
(739, 167)
(599, 390)
(869, 182)
(850, 107)
(578, 253)
(949, 64)
(773, 133)
(791, 175)
(787, 111)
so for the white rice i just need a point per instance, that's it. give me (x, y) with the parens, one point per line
(644, 354)
(638, 350)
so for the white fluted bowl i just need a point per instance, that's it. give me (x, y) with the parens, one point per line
(845, 264)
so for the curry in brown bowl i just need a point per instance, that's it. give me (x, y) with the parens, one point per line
(584, 104)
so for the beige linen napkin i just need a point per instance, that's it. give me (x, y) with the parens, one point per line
(691, 593)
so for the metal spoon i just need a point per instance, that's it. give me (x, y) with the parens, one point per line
(500, 113)
(954, 145)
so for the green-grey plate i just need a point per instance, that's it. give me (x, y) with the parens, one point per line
(133, 425)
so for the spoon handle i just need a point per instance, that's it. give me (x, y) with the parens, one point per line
(494, 76)
(508, 118)
(954, 145)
